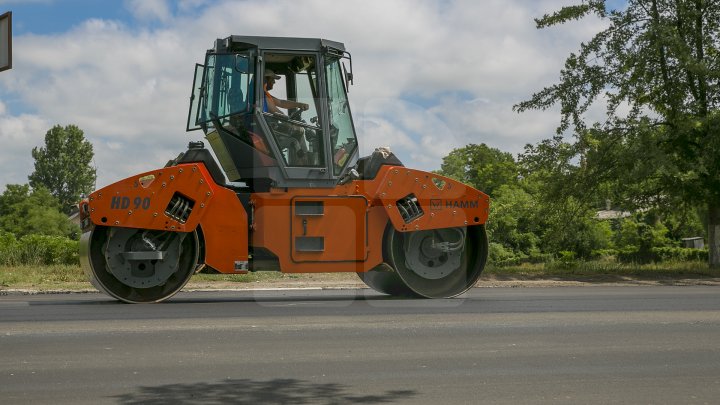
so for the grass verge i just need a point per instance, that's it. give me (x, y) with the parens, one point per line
(72, 278)
(43, 277)
(606, 269)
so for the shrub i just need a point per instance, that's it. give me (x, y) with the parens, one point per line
(9, 249)
(603, 253)
(662, 254)
(47, 250)
(539, 257)
(499, 255)
(35, 250)
(566, 259)
(679, 254)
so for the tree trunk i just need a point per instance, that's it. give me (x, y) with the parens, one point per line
(714, 235)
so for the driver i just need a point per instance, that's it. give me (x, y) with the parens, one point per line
(298, 147)
(271, 103)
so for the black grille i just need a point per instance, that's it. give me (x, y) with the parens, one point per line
(409, 208)
(179, 208)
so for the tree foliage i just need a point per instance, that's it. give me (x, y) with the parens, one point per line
(63, 165)
(657, 68)
(541, 209)
(514, 220)
(527, 219)
(481, 166)
(25, 212)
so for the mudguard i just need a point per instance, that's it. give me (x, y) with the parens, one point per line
(177, 199)
(416, 200)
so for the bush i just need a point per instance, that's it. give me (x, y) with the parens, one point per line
(679, 254)
(35, 250)
(539, 257)
(662, 254)
(499, 255)
(603, 253)
(566, 259)
(9, 249)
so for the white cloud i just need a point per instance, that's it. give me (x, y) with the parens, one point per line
(188, 5)
(148, 10)
(416, 135)
(430, 76)
(18, 135)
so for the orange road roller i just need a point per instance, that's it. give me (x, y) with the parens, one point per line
(284, 190)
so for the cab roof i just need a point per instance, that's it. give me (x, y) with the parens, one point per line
(242, 42)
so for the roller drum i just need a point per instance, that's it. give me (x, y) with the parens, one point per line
(137, 265)
(440, 263)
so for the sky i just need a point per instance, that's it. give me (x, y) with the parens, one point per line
(430, 76)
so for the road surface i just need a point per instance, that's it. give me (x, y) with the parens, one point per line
(593, 345)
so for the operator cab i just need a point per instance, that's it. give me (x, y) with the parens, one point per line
(295, 148)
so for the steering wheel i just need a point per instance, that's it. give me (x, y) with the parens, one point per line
(296, 115)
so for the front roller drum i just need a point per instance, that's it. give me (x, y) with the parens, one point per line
(439, 263)
(139, 265)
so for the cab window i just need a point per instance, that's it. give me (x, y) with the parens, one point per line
(224, 90)
(297, 133)
(342, 132)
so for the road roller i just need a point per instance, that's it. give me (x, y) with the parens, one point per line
(281, 186)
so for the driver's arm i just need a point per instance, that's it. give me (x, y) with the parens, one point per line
(287, 104)
(272, 104)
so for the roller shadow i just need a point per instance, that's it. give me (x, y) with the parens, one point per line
(246, 391)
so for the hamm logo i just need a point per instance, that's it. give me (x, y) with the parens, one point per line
(440, 204)
(461, 204)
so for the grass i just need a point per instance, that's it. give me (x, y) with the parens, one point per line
(606, 268)
(63, 277)
(43, 277)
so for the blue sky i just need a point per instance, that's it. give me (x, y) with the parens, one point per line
(56, 16)
(51, 17)
(122, 71)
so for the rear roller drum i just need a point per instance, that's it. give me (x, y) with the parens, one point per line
(139, 265)
(439, 263)
(385, 280)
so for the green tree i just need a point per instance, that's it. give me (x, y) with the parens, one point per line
(642, 232)
(24, 212)
(567, 206)
(514, 220)
(63, 166)
(571, 226)
(656, 66)
(482, 167)
(683, 222)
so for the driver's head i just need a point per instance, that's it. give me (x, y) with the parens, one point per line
(270, 78)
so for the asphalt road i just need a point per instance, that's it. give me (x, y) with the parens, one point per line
(587, 345)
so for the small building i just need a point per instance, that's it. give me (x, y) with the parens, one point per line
(608, 213)
(696, 242)
(611, 214)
